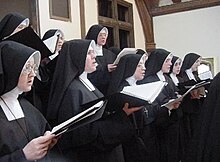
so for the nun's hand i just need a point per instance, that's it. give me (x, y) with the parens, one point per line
(130, 110)
(38, 147)
(195, 94)
(111, 67)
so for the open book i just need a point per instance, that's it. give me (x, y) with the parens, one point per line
(135, 96)
(51, 43)
(124, 52)
(206, 75)
(147, 92)
(180, 98)
(85, 117)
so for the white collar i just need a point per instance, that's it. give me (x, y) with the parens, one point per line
(98, 50)
(131, 80)
(83, 78)
(174, 78)
(161, 76)
(11, 102)
(190, 74)
(51, 57)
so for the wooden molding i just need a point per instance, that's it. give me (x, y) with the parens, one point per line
(147, 24)
(82, 18)
(182, 6)
(34, 12)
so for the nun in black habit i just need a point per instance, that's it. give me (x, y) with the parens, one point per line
(174, 75)
(22, 129)
(97, 141)
(105, 58)
(191, 103)
(130, 69)
(159, 63)
(12, 23)
(205, 146)
(48, 65)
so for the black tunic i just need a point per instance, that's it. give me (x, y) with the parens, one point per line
(96, 141)
(134, 149)
(11, 148)
(163, 128)
(205, 144)
(191, 107)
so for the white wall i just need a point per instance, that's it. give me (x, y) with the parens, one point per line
(138, 29)
(72, 29)
(91, 13)
(192, 31)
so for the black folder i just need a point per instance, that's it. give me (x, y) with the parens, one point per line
(87, 116)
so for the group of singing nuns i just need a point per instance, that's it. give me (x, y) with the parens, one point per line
(82, 70)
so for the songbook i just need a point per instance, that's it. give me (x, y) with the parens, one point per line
(135, 96)
(124, 52)
(30, 38)
(206, 75)
(180, 98)
(51, 43)
(87, 116)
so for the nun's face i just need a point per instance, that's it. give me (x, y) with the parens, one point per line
(177, 66)
(166, 65)
(196, 64)
(90, 65)
(60, 43)
(26, 78)
(101, 40)
(140, 70)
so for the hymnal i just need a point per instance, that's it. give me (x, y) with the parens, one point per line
(29, 38)
(85, 117)
(124, 52)
(206, 75)
(180, 98)
(135, 96)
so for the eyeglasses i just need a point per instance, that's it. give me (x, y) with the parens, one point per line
(29, 68)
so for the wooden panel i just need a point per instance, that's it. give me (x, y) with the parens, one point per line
(147, 24)
(182, 6)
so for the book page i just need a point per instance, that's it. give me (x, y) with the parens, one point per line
(124, 52)
(147, 92)
(206, 75)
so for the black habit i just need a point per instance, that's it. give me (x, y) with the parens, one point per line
(101, 77)
(163, 131)
(97, 141)
(15, 134)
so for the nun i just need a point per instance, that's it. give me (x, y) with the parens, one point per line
(157, 65)
(105, 58)
(24, 134)
(130, 69)
(97, 141)
(47, 67)
(12, 23)
(192, 102)
(174, 75)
